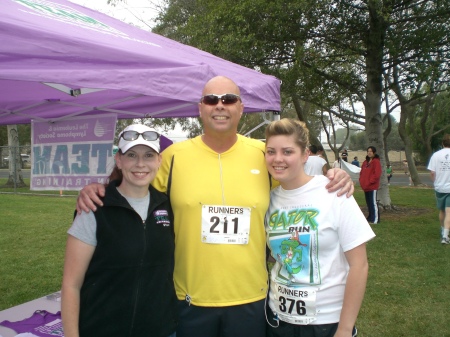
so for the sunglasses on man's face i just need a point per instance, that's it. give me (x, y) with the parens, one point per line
(133, 135)
(225, 98)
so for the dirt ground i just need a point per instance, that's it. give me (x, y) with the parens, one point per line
(398, 212)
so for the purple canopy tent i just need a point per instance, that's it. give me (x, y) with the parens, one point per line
(59, 60)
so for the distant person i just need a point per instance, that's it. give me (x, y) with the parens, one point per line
(344, 155)
(320, 150)
(315, 165)
(406, 169)
(118, 269)
(389, 173)
(318, 241)
(355, 161)
(337, 163)
(321, 153)
(439, 167)
(369, 179)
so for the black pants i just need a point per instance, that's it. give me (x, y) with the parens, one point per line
(371, 201)
(291, 330)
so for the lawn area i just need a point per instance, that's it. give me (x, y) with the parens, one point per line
(32, 242)
(408, 291)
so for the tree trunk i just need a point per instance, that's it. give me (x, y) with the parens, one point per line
(15, 178)
(404, 115)
(386, 133)
(374, 91)
(425, 134)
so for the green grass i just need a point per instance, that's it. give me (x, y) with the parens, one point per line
(408, 291)
(32, 242)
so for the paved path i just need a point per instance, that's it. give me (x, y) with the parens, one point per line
(401, 179)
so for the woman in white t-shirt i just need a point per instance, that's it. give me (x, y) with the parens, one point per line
(337, 163)
(317, 239)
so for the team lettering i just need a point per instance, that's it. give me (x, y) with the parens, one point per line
(74, 159)
(283, 220)
(65, 181)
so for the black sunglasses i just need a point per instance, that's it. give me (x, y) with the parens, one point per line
(213, 99)
(133, 135)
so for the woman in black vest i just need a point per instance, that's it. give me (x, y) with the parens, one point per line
(119, 259)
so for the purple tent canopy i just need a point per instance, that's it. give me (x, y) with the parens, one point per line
(59, 59)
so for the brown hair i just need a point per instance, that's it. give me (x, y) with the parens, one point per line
(446, 140)
(116, 173)
(289, 127)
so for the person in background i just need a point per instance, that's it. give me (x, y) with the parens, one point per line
(355, 161)
(118, 269)
(337, 163)
(318, 241)
(320, 151)
(321, 154)
(219, 189)
(369, 180)
(439, 167)
(344, 155)
(389, 173)
(315, 165)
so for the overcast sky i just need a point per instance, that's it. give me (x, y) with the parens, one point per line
(137, 12)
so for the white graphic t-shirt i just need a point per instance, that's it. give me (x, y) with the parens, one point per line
(440, 164)
(308, 231)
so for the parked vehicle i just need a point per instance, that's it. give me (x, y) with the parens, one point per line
(26, 160)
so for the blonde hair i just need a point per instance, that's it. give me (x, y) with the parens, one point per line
(289, 127)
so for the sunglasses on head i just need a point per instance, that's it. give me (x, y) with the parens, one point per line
(213, 99)
(133, 135)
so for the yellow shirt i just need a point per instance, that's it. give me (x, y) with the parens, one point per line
(217, 274)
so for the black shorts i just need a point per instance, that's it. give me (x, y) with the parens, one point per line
(233, 321)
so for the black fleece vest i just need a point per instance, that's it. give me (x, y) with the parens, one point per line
(128, 288)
